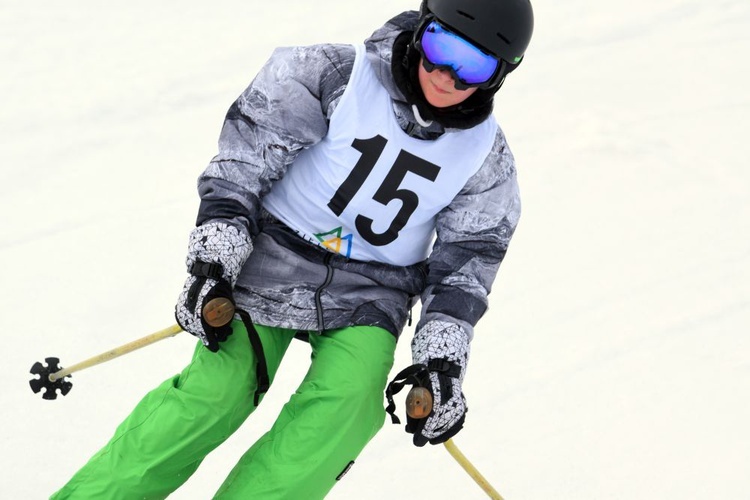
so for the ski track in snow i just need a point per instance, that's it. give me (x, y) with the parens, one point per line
(614, 361)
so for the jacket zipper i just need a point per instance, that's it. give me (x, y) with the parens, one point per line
(319, 291)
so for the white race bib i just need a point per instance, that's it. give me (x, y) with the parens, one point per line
(368, 190)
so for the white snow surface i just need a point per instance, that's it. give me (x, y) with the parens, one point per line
(614, 362)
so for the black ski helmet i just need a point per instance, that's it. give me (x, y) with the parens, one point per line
(501, 27)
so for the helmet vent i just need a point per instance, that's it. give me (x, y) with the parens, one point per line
(466, 14)
(503, 38)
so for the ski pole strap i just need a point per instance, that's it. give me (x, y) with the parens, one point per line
(412, 375)
(418, 375)
(261, 368)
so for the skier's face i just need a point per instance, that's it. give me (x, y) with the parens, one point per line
(439, 88)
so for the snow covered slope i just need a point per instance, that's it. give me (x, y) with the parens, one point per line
(615, 359)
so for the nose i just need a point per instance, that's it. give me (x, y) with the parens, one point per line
(444, 76)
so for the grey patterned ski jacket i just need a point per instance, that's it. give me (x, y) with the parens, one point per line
(290, 283)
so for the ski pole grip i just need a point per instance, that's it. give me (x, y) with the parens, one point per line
(218, 312)
(418, 403)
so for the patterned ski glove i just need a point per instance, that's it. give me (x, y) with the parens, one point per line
(216, 253)
(443, 348)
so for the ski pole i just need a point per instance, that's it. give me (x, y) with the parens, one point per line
(418, 406)
(218, 312)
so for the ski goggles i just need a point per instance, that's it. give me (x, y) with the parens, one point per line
(469, 65)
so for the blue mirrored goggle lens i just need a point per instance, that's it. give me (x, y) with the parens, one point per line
(443, 48)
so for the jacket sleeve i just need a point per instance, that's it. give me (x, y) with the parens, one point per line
(284, 110)
(472, 237)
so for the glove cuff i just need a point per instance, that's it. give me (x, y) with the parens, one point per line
(441, 340)
(218, 248)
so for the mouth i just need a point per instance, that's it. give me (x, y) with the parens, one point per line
(439, 89)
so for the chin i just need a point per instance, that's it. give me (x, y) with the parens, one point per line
(441, 103)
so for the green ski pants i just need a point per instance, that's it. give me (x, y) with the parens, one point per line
(327, 422)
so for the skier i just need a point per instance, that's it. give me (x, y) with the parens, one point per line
(349, 181)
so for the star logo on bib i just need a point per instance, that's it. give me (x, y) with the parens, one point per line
(334, 242)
